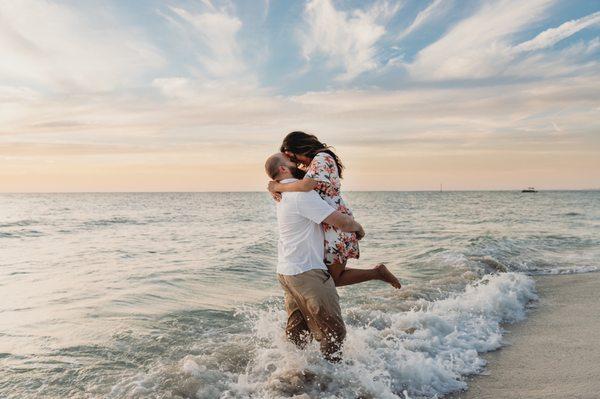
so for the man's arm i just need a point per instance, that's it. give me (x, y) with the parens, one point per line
(345, 223)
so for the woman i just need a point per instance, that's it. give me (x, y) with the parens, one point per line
(323, 173)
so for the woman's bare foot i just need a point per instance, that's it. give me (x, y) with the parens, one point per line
(387, 276)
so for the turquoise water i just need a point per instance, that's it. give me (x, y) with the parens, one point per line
(174, 294)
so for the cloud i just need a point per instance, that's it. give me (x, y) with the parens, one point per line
(192, 112)
(456, 110)
(575, 60)
(431, 12)
(11, 94)
(346, 39)
(213, 38)
(65, 49)
(552, 36)
(478, 46)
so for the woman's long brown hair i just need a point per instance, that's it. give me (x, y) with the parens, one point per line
(309, 145)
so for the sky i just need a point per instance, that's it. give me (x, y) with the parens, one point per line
(148, 95)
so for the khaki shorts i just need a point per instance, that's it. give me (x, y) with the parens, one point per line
(313, 307)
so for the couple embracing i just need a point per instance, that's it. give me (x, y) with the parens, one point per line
(317, 236)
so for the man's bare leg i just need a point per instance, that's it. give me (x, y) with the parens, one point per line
(347, 276)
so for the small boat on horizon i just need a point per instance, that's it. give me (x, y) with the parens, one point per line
(529, 190)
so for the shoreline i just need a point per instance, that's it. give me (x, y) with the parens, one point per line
(553, 353)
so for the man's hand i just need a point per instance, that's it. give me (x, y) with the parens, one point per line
(345, 223)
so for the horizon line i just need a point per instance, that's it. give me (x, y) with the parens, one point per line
(256, 191)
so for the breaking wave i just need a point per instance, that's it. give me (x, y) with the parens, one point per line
(424, 352)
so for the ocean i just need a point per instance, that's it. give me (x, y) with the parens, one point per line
(174, 295)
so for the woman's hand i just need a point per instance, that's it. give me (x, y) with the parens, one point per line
(272, 187)
(272, 190)
(360, 234)
(276, 196)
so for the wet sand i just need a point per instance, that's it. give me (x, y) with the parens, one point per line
(555, 352)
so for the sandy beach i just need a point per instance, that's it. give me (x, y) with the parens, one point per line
(555, 352)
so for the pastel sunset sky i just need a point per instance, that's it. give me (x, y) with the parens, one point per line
(148, 95)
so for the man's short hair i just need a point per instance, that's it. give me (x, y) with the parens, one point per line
(273, 163)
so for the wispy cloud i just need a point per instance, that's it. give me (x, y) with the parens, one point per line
(64, 49)
(578, 59)
(212, 34)
(481, 46)
(478, 46)
(552, 36)
(347, 39)
(433, 11)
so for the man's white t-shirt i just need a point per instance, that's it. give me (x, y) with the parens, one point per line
(301, 245)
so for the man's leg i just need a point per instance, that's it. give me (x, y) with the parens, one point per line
(329, 319)
(296, 329)
(315, 295)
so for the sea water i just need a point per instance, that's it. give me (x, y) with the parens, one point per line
(174, 295)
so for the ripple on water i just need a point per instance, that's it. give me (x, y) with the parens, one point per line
(22, 233)
(112, 221)
(20, 223)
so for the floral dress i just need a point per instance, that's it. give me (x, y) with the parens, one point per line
(339, 246)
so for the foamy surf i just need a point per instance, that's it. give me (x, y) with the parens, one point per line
(422, 353)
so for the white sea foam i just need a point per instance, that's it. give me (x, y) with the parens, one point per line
(424, 352)
(568, 270)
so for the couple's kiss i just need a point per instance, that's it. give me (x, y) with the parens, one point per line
(317, 236)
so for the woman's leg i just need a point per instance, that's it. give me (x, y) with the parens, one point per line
(346, 276)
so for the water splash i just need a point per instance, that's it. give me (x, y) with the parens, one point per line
(421, 353)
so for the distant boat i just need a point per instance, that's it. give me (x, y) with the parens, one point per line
(529, 190)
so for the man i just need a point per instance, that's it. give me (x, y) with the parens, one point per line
(311, 299)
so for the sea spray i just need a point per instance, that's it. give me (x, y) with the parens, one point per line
(424, 352)
(421, 353)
